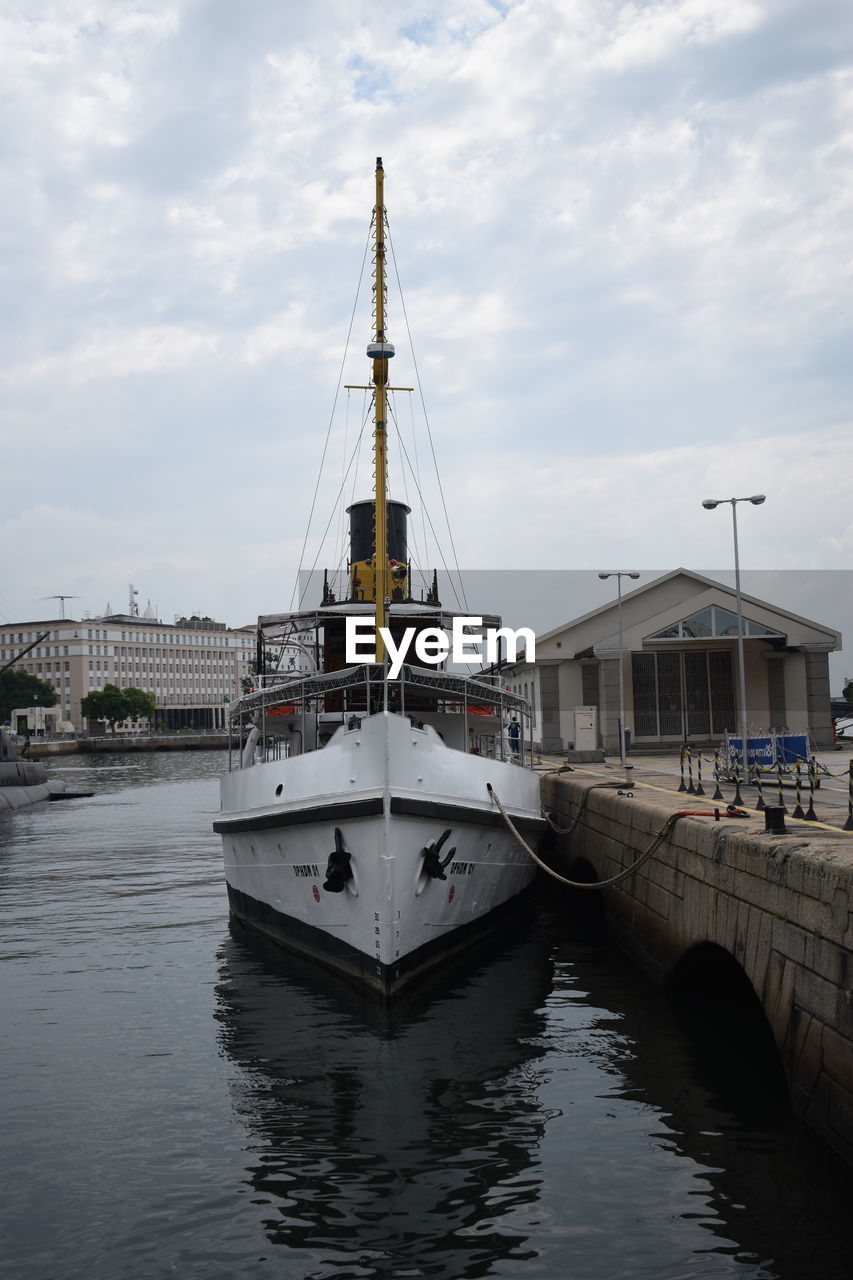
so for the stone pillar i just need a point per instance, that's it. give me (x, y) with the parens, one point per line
(776, 700)
(817, 696)
(549, 702)
(609, 707)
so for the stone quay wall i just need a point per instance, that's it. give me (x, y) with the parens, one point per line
(781, 905)
(43, 748)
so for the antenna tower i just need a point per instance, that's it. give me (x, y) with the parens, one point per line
(61, 600)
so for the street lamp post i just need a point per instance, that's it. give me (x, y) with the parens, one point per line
(619, 574)
(709, 504)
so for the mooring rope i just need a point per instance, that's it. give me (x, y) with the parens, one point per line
(567, 831)
(662, 835)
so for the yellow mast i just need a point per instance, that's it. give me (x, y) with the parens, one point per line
(373, 576)
(379, 351)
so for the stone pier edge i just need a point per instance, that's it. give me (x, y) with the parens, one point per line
(780, 905)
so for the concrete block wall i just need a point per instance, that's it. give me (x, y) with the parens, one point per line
(549, 703)
(782, 906)
(817, 698)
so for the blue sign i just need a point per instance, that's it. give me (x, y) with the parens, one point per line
(773, 748)
(791, 747)
(761, 751)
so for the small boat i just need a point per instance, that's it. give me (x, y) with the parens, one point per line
(364, 813)
(25, 781)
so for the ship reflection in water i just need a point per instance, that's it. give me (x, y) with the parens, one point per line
(401, 1137)
(542, 1113)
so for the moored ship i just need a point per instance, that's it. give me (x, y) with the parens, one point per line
(358, 817)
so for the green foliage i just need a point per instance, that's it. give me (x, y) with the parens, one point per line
(107, 704)
(20, 689)
(114, 705)
(141, 704)
(847, 691)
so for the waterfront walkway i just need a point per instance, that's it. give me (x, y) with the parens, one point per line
(663, 773)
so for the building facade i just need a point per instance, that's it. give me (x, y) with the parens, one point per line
(680, 669)
(193, 668)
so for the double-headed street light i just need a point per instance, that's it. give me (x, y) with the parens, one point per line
(619, 574)
(709, 504)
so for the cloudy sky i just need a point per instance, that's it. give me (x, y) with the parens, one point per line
(623, 232)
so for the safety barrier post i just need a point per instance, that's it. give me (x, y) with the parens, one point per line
(848, 826)
(811, 816)
(700, 790)
(759, 804)
(682, 786)
(779, 779)
(718, 795)
(691, 790)
(799, 812)
(738, 800)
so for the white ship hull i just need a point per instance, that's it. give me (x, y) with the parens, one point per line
(390, 790)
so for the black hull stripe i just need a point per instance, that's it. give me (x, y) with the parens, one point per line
(444, 812)
(404, 805)
(383, 980)
(300, 817)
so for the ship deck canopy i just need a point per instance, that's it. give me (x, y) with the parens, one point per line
(447, 685)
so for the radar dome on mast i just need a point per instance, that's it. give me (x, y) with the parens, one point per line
(380, 350)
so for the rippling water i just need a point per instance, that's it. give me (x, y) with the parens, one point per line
(180, 1100)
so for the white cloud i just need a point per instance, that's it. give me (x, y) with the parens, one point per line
(645, 504)
(117, 355)
(623, 229)
(648, 33)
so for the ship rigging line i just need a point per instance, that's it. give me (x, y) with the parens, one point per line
(413, 538)
(342, 548)
(414, 436)
(331, 419)
(338, 496)
(463, 602)
(426, 417)
(340, 535)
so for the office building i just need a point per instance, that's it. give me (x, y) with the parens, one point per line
(193, 667)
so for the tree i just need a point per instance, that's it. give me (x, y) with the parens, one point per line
(140, 703)
(20, 689)
(107, 704)
(114, 705)
(847, 692)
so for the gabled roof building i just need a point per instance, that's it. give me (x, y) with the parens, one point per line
(680, 668)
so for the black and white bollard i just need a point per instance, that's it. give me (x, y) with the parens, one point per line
(718, 795)
(799, 811)
(738, 800)
(811, 816)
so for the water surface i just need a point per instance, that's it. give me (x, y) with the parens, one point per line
(179, 1099)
